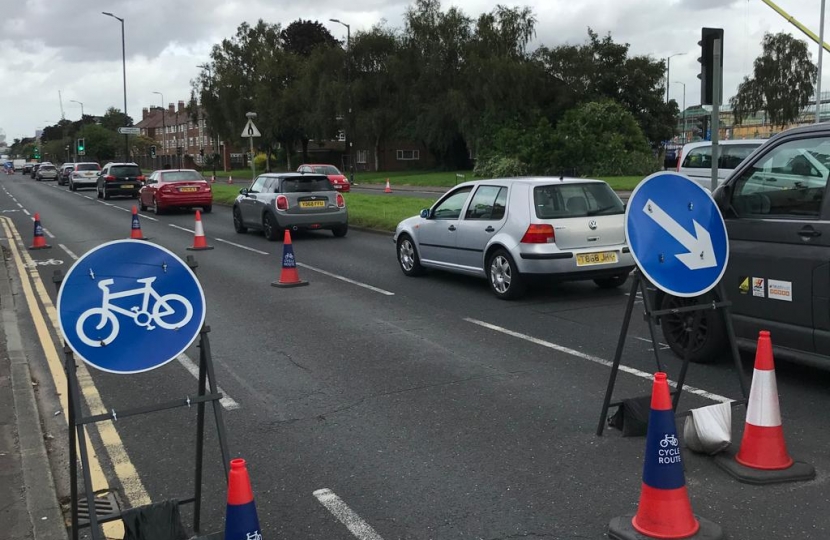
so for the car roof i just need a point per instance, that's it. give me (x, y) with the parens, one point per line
(535, 180)
(123, 163)
(292, 175)
(174, 170)
(728, 142)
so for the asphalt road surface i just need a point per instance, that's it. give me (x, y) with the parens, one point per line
(371, 405)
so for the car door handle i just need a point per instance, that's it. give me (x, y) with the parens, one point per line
(808, 232)
(452, 227)
(489, 229)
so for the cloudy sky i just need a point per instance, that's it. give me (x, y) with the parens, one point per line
(69, 46)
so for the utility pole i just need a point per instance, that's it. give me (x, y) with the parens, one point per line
(350, 115)
(124, 72)
(684, 109)
(668, 72)
(820, 51)
(250, 116)
(717, 73)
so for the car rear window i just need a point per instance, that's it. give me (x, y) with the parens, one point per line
(326, 169)
(47, 168)
(305, 184)
(125, 170)
(181, 176)
(730, 156)
(88, 167)
(575, 200)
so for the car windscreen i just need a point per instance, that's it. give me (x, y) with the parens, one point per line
(125, 170)
(305, 184)
(47, 168)
(88, 167)
(181, 176)
(326, 169)
(575, 200)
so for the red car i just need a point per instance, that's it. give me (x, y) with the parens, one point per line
(338, 180)
(175, 188)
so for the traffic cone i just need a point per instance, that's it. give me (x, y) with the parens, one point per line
(230, 179)
(388, 187)
(135, 229)
(288, 276)
(664, 510)
(212, 179)
(199, 240)
(241, 521)
(39, 242)
(763, 456)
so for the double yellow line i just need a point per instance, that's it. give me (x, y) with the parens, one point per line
(125, 471)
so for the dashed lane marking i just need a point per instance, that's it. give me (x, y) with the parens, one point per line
(182, 228)
(334, 504)
(240, 246)
(347, 280)
(227, 401)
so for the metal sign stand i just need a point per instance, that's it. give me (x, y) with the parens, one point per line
(78, 422)
(713, 300)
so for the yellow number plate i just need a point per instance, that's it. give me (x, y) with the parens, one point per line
(312, 204)
(127, 186)
(188, 189)
(589, 259)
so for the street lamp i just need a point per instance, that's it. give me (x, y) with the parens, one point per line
(163, 126)
(350, 119)
(668, 72)
(684, 109)
(124, 73)
(79, 103)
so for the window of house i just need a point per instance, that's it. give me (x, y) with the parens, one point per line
(408, 155)
(361, 156)
(190, 141)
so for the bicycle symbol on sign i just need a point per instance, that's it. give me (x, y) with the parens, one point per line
(668, 440)
(142, 315)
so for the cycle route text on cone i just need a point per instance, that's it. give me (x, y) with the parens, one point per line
(39, 242)
(763, 456)
(241, 521)
(199, 240)
(289, 277)
(664, 510)
(135, 227)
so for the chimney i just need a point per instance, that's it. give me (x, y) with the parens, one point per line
(145, 112)
(181, 106)
(171, 108)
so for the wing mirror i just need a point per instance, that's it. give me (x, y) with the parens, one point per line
(425, 213)
(243, 191)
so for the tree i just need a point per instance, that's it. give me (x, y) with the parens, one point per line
(100, 142)
(114, 119)
(782, 81)
(302, 37)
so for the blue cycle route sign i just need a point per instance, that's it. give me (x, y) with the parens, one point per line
(130, 306)
(676, 234)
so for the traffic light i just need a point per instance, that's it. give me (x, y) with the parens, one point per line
(153, 151)
(81, 147)
(701, 127)
(707, 63)
(37, 152)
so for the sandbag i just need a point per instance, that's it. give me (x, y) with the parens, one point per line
(708, 430)
(156, 521)
(631, 417)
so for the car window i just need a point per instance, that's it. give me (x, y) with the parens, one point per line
(125, 170)
(256, 187)
(88, 167)
(698, 158)
(731, 155)
(272, 185)
(305, 184)
(483, 205)
(788, 181)
(450, 208)
(181, 176)
(574, 200)
(325, 169)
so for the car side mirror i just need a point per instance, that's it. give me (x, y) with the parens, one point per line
(425, 213)
(722, 196)
(243, 191)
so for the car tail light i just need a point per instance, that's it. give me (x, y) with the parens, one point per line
(538, 234)
(109, 178)
(166, 189)
(140, 177)
(282, 202)
(341, 202)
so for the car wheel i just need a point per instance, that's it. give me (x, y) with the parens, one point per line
(157, 210)
(107, 196)
(238, 224)
(141, 205)
(72, 186)
(340, 231)
(505, 280)
(207, 209)
(408, 257)
(270, 227)
(611, 282)
(98, 190)
(710, 341)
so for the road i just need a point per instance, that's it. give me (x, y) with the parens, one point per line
(427, 407)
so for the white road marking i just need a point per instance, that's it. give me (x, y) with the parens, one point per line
(663, 346)
(26, 211)
(595, 359)
(49, 234)
(18, 204)
(68, 252)
(227, 402)
(122, 208)
(347, 280)
(85, 196)
(240, 246)
(148, 217)
(182, 228)
(359, 528)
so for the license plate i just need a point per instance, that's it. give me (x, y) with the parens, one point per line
(188, 189)
(590, 259)
(127, 186)
(312, 204)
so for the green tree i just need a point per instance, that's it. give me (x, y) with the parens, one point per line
(782, 81)
(302, 37)
(113, 119)
(101, 143)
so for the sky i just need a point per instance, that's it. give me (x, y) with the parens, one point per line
(68, 46)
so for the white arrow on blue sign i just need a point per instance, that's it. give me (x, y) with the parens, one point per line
(676, 234)
(130, 306)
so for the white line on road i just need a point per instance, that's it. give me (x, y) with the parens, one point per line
(347, 280)
(68, 252)
(595, 359)
(663, 346)
(85, 196)
(49, 234)
(227, 402)
(148, 217)
(122, 208)
(26, 211)
(19, 205)
(359, 528)
(240, 246)
(182, 228)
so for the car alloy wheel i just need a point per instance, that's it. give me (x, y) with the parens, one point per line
(505, 280)
(238, 224)
(157, 210)
(709, 341)
(269, 227)
(408, 257)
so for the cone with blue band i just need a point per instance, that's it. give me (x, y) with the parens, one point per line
(289, 277)
(241, 521)
(39, 241)
(664, 510)
(135, 228)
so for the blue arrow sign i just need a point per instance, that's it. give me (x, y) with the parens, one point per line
(676, 234)
(130, 306)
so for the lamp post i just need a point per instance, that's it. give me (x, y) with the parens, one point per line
(684, 109)
(349, 118)
(79, 103)
(215, 152)
(668, 72)
(163, 127)
(820, 51)
(124, 73)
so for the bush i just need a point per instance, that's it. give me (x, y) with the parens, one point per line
(259, 162)
(500, 167)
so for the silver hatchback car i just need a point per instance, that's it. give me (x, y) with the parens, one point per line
(507, 230)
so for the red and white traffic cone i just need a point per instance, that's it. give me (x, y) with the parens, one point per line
(763, 456)
(289, 277)
(388, 187)
(39, 242)
(199, 240)
(212, 179)
(135, 227)
(230, 179)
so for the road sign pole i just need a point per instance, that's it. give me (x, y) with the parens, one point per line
(253, 165)
(716, 99)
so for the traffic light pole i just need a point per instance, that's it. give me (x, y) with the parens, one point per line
(715, 123)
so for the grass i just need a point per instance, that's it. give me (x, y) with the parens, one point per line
(622, 183)
(226, 194)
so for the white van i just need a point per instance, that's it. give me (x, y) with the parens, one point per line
(695, 159)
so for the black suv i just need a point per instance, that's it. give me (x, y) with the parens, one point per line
(777, 213)
(116, 179)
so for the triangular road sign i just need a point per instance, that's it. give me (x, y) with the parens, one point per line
(251, 130)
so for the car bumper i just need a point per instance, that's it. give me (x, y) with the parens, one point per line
(122, 188)
(345, 188)
(313, 221)
(47, 177)
(85, 182)
(179, 201)
(564, 264)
